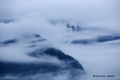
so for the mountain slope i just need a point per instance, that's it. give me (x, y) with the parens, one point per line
(30, 55)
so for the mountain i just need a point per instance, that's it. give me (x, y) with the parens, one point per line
(30, 55)
(99, 39)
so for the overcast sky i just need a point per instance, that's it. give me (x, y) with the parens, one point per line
(33, 15)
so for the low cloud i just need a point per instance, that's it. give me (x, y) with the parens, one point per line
(95, 17)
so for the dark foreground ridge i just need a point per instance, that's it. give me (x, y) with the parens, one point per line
(25, 69)
(68, 64)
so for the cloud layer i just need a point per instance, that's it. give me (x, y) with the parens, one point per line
(96, 17)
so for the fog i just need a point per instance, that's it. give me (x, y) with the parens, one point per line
(97, 59)
(96, 17)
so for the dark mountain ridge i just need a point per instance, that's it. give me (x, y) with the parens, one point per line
(22, 69)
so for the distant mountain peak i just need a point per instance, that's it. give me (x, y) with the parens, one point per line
(24, 38)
